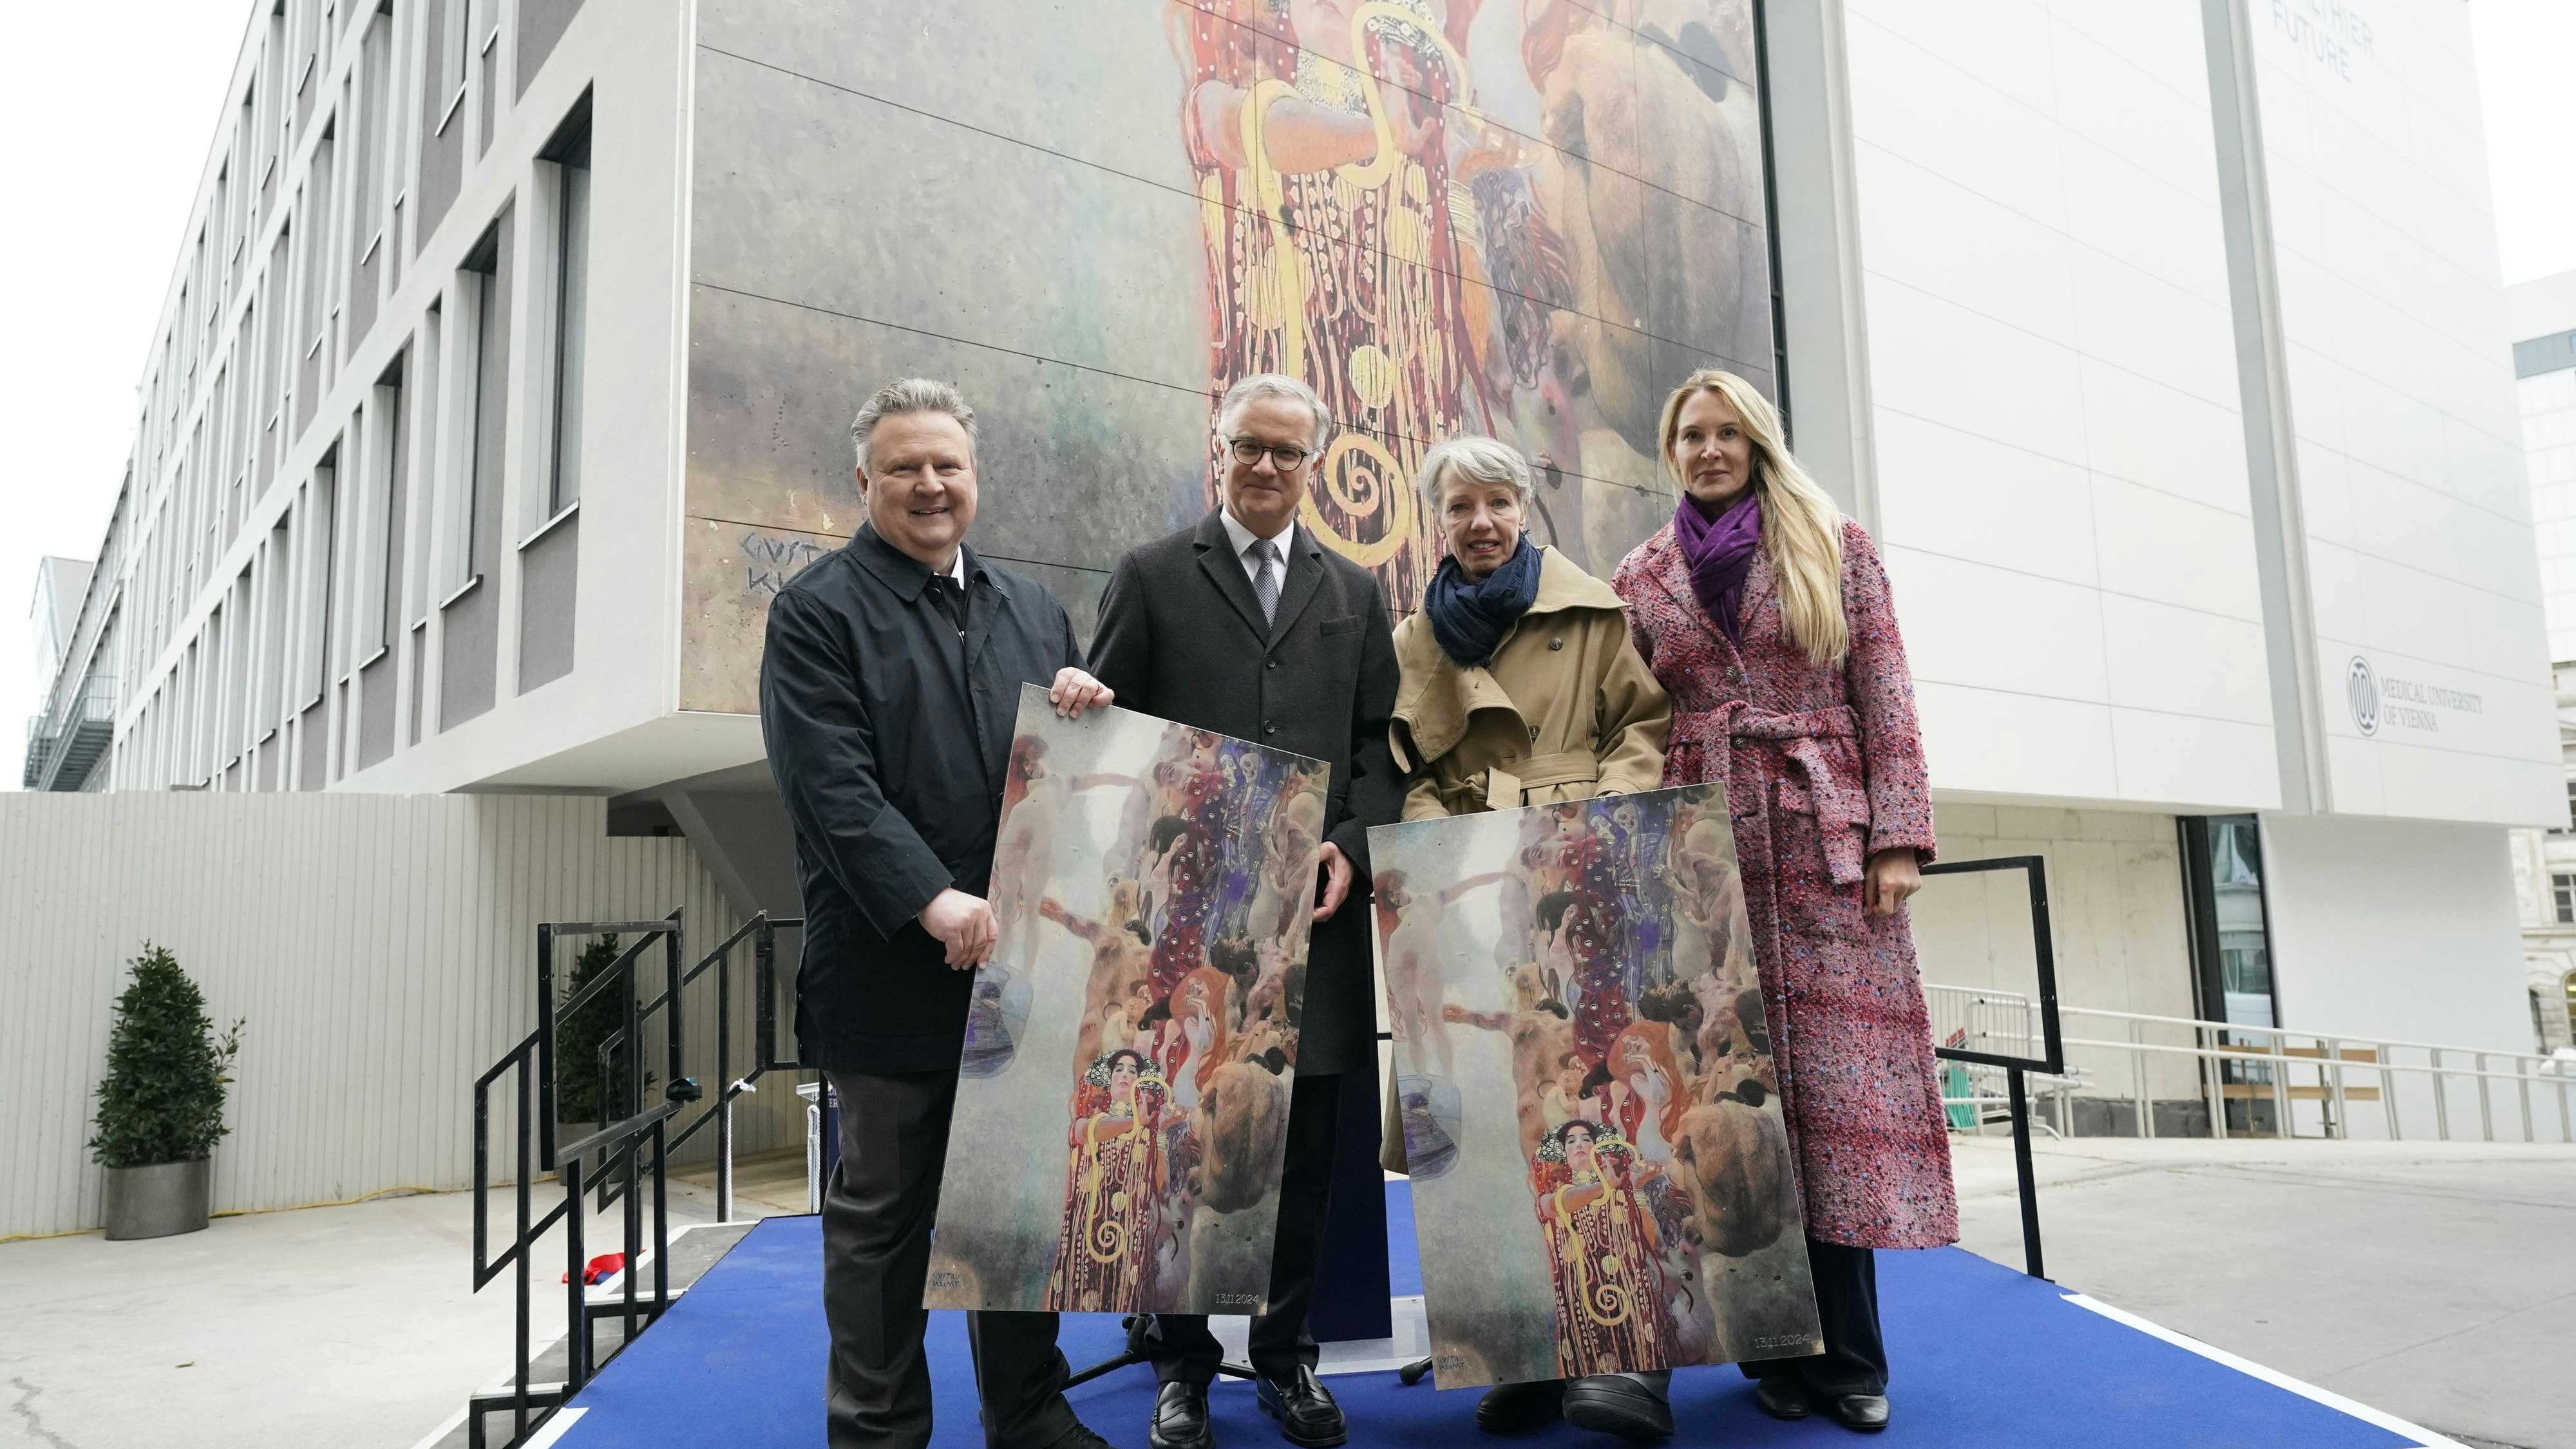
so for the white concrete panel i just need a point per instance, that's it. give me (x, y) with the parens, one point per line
(2105, 98)
(2150, 434)
(1939, 237)
(2002, 43)
(2162, 38)
(2395, 929)
(1916, 103)
(2136, 320)
(2155, 546)
(1934, 358)
(2182, 661)
(2207, 764)
(2123, 210)
(1951, 493)
(1986, 741)
(1968, 623)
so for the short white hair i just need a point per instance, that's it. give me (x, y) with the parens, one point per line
(1272, 384)
(1480, 458)
(910, 395)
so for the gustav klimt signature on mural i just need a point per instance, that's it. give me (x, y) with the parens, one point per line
(773, 560)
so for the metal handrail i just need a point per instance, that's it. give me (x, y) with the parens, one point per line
(2267, 1056)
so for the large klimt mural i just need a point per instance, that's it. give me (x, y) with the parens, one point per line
(1528, 218)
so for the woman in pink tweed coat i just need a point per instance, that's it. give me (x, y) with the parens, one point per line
(1765, 614)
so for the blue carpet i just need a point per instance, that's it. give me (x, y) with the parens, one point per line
(1983, 1356)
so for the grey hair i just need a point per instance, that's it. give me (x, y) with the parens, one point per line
(910, 395)
(1272, 384)
(1478, 457)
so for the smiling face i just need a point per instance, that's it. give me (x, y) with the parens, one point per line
(1712, 453)
(919, 485)
(1260, 494)
(1482, 521)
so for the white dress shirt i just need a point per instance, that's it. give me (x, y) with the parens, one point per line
(1279, 542)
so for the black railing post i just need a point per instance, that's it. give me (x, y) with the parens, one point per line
(577, 1295)
(519, 1417)
(724, 1087)
(674, 1058)
(631, 1209)
(546, 1037)
(764, 994)
(661, 1221)
(2030, 1257)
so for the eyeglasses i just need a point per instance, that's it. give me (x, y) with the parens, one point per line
(1287, 457)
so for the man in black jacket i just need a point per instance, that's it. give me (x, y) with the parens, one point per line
(1245, 624)
(887, 697)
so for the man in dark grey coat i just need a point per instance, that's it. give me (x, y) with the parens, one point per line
(1247, 625)
(888, 693)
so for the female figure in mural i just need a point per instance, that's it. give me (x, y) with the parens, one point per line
(1113, 1188)
(1766, 615)
(1335, 147)
(1184, 881)
(1604, 1254)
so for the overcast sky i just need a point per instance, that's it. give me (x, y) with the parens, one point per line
(109, 165)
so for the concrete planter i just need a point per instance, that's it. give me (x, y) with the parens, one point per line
(158, 1201)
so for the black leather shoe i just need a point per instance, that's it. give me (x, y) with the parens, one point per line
(1865, 1412)
(1783, 1396)
(1181, 1418)
(1519, 1408)
(1617, 1404)
(1304, 1408)
(1080, 1437)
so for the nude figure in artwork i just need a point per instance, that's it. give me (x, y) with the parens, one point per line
(1033, 803)
(1410, 923)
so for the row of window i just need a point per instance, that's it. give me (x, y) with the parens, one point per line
(345, 570)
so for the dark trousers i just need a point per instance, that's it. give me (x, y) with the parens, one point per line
(1854, 1360)
(877, 1214)
(1182, 1348)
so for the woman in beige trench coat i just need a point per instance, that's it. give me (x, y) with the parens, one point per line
(1521, 686)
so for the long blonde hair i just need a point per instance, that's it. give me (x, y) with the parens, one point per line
(1802, 530)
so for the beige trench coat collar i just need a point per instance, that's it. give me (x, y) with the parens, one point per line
(1436, 712)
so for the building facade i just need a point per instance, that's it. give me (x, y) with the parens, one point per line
(2543, 317)
(508, 367)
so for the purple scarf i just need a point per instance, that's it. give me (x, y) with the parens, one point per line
(1720, 554)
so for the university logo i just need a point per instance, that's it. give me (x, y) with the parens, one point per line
(2361, 687)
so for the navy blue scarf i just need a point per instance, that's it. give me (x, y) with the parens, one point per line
(1469, 618)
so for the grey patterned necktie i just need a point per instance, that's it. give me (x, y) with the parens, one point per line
(1265, 587)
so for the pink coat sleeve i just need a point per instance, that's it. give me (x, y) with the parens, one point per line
(1629, 583)
(1882, 693)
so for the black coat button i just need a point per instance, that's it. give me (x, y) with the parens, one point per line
(1268, 728)
(1270, 664)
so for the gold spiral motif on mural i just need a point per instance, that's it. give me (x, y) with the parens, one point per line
(1604, 1302)
(1358, 489)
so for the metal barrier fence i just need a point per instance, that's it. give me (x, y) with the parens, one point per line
(2264, 1081)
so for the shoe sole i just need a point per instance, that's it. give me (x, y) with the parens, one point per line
(1589, 1412)
(1293, 1437)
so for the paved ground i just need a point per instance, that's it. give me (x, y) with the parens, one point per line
(329, 1328)
(2436, 1281)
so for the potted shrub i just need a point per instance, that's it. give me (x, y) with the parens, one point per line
(161, 1109)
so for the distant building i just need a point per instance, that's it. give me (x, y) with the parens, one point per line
(2543, 314)
(506, 370)
(70, 730)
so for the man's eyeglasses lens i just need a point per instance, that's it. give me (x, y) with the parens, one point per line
(1285, 456)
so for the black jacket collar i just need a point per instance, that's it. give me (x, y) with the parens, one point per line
(901, 572)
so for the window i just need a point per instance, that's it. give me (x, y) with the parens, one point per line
(571, 155)
(321, 582)
(385, 526)
(2571, 810)
(2562, 891)
(484, 366)
(374, 145)
(455, 50)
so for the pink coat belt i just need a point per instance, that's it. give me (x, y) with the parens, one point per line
(1809, 787)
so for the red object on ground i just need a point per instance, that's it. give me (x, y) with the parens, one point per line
(599, 1269)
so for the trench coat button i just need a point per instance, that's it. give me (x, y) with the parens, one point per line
(1555, 643)
(1533, 732)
